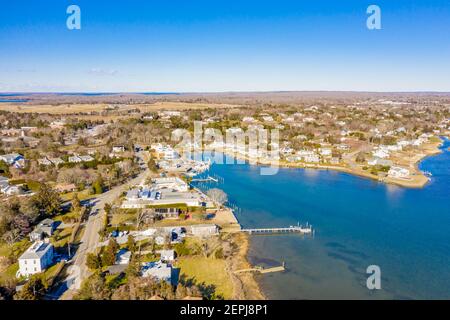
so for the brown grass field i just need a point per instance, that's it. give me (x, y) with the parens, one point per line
(72, 109)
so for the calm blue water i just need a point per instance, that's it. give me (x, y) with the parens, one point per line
(358, 223)
(13, 100)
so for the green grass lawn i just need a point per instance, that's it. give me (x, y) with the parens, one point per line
(62, 238)
(209, 271)
(119, 218)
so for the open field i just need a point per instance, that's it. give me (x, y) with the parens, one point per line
(76, 108)
(207, 271)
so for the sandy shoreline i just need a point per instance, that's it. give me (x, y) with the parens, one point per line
(245, 286)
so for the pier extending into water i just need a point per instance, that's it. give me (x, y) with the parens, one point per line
(291, 229)
(207, 179)
(263, 270)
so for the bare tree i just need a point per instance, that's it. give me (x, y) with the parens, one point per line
(217, 195)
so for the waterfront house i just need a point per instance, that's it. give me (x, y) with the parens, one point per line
(381, 153)
(380, 162)
(204, 230)
(325, 151)
(314, 158)
(172, 183)
(37, 258)
(398, 172)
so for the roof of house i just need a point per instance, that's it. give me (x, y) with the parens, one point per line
(117, 268)
(166, 253)
(37, 250)
(11, 157)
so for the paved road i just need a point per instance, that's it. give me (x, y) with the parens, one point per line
(91, 238)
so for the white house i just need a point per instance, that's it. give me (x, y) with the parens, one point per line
(379, 161)
(37, 258)
(325, 151)
(13, 159)
(249, 119)
(173, 183)
(167, 255)
(86, 158)
(118, 149)
(203, 230)
(158, 270)
(123, 257)
(11, 190)
(313, 158)
(381, 153)
(75, 159)
(267, 118)
(398, 172)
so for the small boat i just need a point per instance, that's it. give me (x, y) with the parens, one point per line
(428, 173)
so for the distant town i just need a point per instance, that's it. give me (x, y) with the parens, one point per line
(98, 194)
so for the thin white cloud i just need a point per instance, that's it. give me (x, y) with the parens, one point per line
(102, 72)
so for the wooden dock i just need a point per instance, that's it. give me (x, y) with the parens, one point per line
(291, 229)
(263, 270)
(207, 179)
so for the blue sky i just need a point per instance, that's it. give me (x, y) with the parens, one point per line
(246, 45)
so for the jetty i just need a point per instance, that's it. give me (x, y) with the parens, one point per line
(291, 229)
(262, 270)
(207, 179)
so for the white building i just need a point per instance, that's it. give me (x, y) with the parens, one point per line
(37, 258)
(118, 149)
(75, 159)
(157, 270)
(123, 257)
(267, 118)
(167, 255)
(13, 159)
(325, 151)
(249, 119)
(398, 172)
(173, 183)
(204, 230)
(379, 162)
(381, 153)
